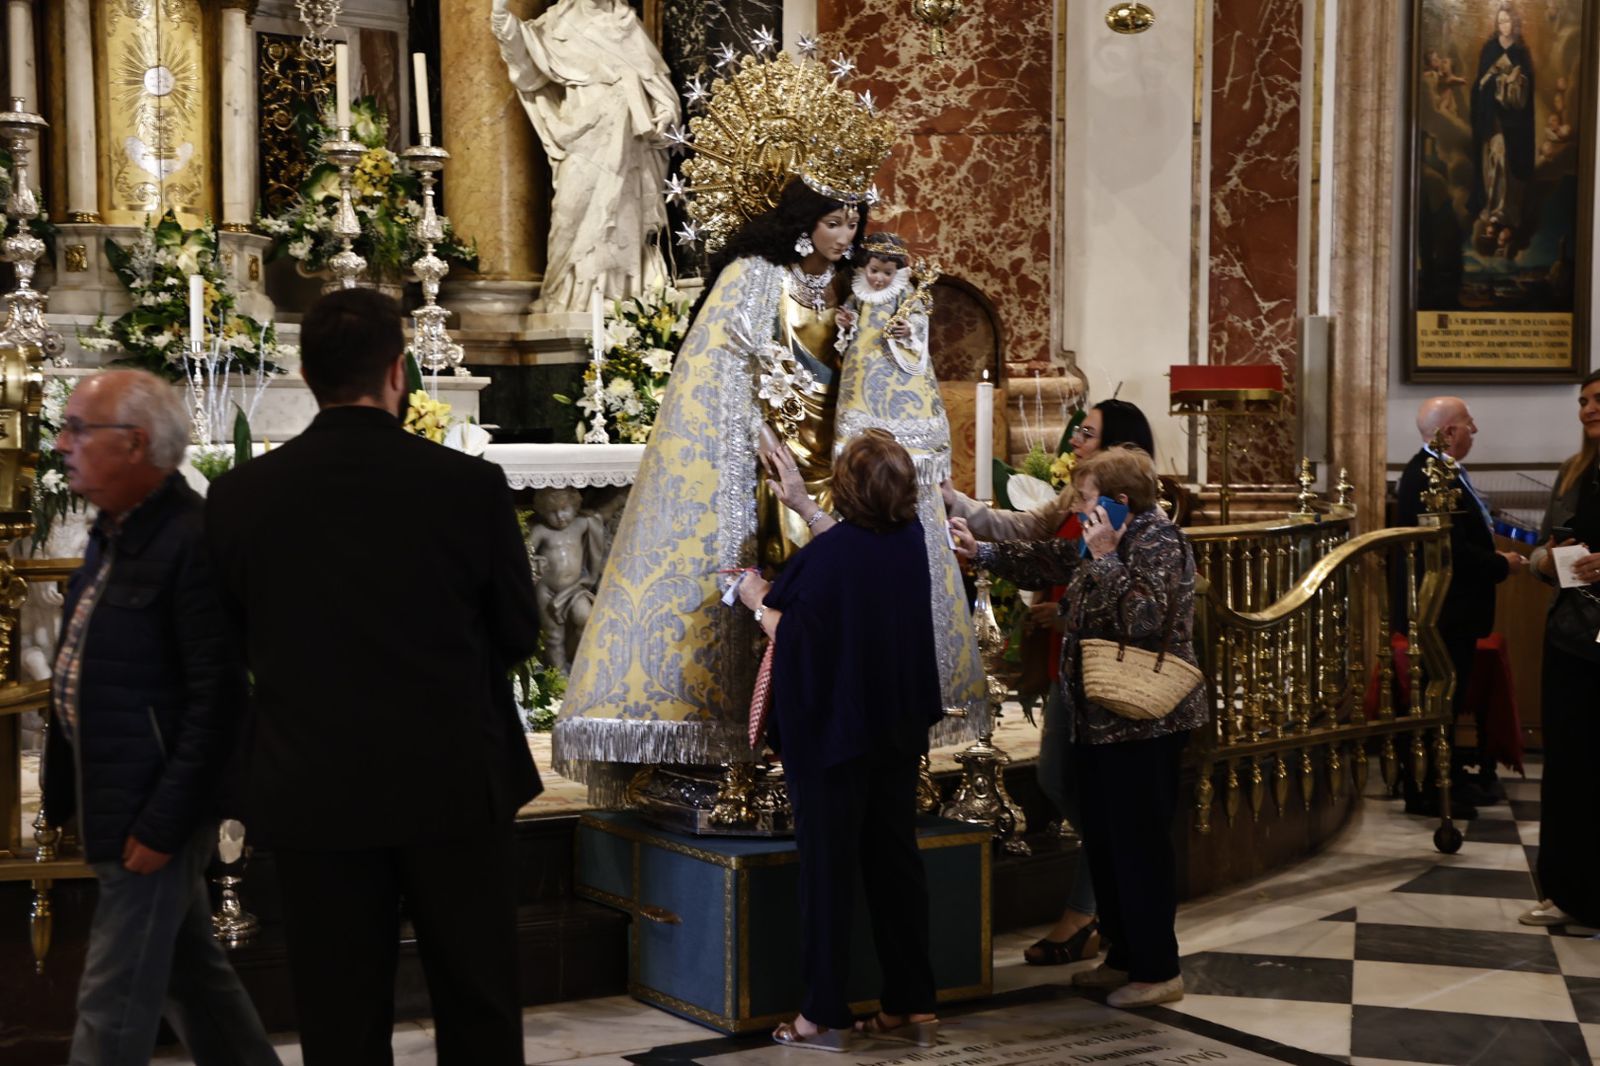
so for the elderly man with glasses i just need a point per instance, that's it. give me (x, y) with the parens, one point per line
(144, 692)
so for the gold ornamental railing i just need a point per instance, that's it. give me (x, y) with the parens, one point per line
(1293, 631)
(34, 856)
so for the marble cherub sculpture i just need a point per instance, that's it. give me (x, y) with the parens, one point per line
(567, 548)
(601, 99)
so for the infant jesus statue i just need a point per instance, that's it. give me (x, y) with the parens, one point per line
(885, 279)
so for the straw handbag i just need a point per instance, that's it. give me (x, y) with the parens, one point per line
(1134, 683)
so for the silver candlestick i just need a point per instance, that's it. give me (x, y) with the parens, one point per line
(24, 324)
(981, 797)
(232, 924)
(345, 153)
(430, 342)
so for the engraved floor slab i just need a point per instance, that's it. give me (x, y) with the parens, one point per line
(1069, 1029)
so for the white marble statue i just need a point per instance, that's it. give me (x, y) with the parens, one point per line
(599, 95)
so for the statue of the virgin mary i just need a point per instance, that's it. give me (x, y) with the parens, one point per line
(665, 669)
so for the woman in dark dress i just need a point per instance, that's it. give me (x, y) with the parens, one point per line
(855, 686)
(1569, 836)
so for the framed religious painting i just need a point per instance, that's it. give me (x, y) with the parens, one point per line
(1501, 190)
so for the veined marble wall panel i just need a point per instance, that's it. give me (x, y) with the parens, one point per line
(969, 179)
(1255, 211)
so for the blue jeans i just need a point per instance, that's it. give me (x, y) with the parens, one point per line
(1060, 787)
(151, 951)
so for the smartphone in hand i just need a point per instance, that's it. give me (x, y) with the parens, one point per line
(1116, 512)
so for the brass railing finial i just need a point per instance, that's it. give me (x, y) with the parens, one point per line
(1306, 497)
(1439, 497)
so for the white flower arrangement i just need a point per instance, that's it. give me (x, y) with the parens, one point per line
(52, 498)
(641, 338)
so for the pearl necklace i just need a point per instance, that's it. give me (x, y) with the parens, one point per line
(813, 287)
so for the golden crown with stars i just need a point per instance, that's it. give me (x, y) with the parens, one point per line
(765, 121)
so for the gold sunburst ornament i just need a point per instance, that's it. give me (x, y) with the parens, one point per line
(766, 121)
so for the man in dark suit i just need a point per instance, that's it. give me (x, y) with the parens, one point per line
(381, 591)
(1476, 567)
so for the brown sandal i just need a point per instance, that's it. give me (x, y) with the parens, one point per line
(923, 1034)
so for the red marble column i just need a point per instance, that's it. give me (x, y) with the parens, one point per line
(1255, 212)
(969, 179)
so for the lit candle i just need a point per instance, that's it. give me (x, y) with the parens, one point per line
(341, 81)
(985, 456)
(419, 89)
(597, 325)
(197, 312)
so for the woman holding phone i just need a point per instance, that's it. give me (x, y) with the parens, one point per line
(1137, 581)
(1108, 424)
(1569, 836)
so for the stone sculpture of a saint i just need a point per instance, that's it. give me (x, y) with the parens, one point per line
(601, 99)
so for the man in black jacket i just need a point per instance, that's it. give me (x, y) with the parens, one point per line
(381, 590)
(144, 690)
(1476, 567)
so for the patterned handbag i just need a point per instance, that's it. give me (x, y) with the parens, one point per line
(1132, 682)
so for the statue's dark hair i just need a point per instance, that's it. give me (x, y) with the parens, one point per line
(771, 235)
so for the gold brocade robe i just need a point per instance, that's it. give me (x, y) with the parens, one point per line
(665, 669)
(811, 334)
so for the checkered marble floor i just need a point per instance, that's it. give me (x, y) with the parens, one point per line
(1381, 950)
(1377, 950)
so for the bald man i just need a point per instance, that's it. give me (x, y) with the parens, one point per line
(1476, 567)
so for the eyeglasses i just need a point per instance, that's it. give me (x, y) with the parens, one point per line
(1084, 432)
(77, 427)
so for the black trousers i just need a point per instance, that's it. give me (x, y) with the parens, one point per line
(1129, 795)
(856, 823)
(1569, 797)
(341, 913)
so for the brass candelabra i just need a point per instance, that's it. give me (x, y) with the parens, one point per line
(981, 796)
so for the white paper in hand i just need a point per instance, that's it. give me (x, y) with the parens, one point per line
(1566, 559)
(731, 597)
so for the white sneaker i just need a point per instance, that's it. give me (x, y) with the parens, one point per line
(1101, 976)
(1140, 994)
(1547, 913)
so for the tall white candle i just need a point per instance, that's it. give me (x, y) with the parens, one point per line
(419, 90)
(19, 53)
(985, 449)
(597, 323)
(197, 311)
(341, 83)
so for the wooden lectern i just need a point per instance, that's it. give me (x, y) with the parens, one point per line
(1226, 393)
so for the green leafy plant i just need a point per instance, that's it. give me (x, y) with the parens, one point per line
(538, 690)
